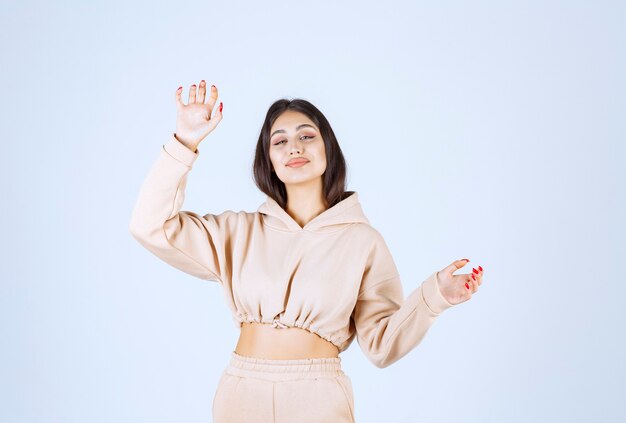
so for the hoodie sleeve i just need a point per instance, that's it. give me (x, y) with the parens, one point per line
(186, 240)
(388, 326)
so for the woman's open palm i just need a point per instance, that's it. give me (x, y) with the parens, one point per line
(459, 288)
(193, 120)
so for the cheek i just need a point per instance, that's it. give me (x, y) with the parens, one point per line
(274, 159)
(322, 154)
(320, 158)
(320, 149)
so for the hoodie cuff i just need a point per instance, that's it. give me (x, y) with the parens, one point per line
(432, 295)
(180, 152)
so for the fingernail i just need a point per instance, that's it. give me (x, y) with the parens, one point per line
(466, 285)
(481, 269)
(466, 259)
(221, 106)
(474, 270)
(473, 277)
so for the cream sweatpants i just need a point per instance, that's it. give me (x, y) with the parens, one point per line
(258, 390)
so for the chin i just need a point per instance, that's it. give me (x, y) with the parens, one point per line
(298, 179)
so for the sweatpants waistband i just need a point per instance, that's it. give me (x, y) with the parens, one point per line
(284, 369)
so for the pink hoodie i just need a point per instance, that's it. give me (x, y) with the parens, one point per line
(334, 277)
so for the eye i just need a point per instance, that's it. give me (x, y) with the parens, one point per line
(304, 136)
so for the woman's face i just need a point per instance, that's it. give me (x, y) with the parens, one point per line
(293, 135)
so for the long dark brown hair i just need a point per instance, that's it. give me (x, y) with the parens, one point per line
(334, 177)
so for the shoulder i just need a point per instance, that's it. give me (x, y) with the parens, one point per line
(366, 234)
(232, 217)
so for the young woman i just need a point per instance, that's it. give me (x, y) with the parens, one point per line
(304, 275)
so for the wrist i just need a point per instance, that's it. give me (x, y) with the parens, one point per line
(184, 141)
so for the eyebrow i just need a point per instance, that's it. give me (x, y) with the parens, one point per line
(297, 129)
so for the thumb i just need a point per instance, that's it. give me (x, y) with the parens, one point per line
(217, 118)
(454, 266)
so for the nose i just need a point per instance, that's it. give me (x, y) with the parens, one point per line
(295, 148)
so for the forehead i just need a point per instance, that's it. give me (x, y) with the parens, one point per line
(289, 120)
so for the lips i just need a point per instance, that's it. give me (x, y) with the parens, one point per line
(296, 161)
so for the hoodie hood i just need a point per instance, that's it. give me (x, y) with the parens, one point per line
(345, 212)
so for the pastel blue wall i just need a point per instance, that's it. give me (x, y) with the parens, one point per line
(487, 130)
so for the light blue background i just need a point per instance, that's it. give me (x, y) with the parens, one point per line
(487, 130)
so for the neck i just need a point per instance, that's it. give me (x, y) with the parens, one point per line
(305, 201)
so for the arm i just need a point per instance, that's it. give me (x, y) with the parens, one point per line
(389, 326)
(192, 243)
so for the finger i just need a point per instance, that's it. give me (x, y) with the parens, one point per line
(467, 279)
(454, 266)
(192, 94)
(210, 104)
(476, 275)
(474, 283)
(201, 92)
(179, 101)
(212, 98)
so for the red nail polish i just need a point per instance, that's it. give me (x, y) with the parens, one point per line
(221, 107)
(466, 285)
(474, 270)
(473, 277)
(481, 269)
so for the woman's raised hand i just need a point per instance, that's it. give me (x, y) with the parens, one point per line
(193, 120)
(459, 288)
